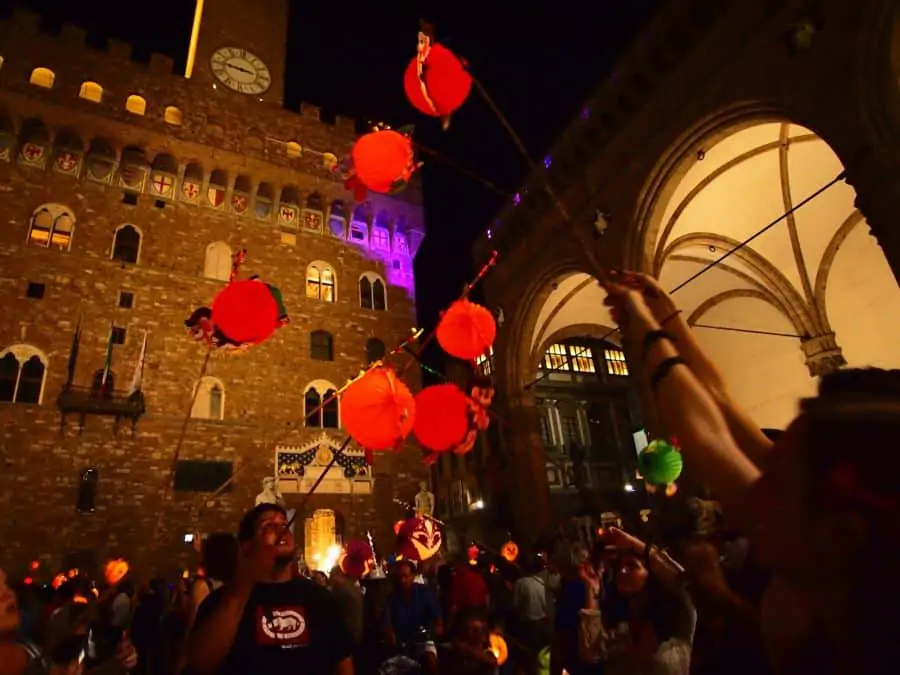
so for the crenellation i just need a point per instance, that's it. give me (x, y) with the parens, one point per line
(72, 34)
(25, 22)
(161, 64)
(119, 49)
(310, 111)
(346, 124)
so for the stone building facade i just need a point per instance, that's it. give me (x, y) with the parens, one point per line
(722, 119)
(126, 189)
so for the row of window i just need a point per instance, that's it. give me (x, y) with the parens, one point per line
(566, 358)
(52, 226)
(23, 371)
(137, 105)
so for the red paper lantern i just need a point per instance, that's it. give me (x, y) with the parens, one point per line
(245, 311)
(378, 410)
(383, 158)
(446, 80)
(466, 330)
(420, 538)
(441, 417)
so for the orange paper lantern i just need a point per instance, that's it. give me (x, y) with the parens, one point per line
(58, 581)
(441, 417)
(466, 330)
(378, 410)
(115, 571)
(382, 159)
(398, 526)
(445, 80)
(498, 648)
(510, 551)
(246, 311)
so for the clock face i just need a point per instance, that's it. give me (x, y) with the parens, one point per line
(240, 70)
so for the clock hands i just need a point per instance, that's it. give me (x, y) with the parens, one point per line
(239, 69)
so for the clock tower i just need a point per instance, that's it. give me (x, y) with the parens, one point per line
(240, 47)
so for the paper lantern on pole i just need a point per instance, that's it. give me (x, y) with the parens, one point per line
(660, 464)
(115, 571)
(444, 86)
(246, 311)
(420, 538)
(510, 551)
(378, 410)
(382, 159)
(358, 559)
(498, 648)
(466, 330)
(441, 417)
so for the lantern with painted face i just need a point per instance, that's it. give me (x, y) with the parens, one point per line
(510, 551)
(115, 571)
(420, 539)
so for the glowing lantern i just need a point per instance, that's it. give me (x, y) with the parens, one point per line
(498, 648)
(420, 538)
(378, 410)
(398, 526)
(383, 160)
(58, 581)
(35, 564)
(358, 559)
(246, 311)
(466, 330)
(473, 552)
(544, 661)
(442, 417)
(115, 571)
(72, 573)
(444, 86)
(80, 599)
(28, 581)
(660, 464)
(510, 551)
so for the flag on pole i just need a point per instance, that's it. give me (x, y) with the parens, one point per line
(108, 362)
(138, 377)
(73, 354)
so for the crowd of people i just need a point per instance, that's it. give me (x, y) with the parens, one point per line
(790, 570)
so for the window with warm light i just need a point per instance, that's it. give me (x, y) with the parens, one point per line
(173, 116)
(91, 91)
(485, 362)
(217, 264)
(51, 227)
(136, 105)
(42, 77)
(615, 363)
(321, 540)
(582, 359)
(209, 402)
(320, 282)
(556, 358)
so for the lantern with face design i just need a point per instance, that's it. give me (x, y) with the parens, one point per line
(420, 539)
(510, 551)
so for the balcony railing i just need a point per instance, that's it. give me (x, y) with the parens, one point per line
(84, 401)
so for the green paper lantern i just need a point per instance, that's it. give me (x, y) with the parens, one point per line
(660, 463)
(544, 661)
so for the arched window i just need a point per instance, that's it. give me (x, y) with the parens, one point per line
(91, 91)
(87, 491)
(321, 346)
(172, 115)
(136, 105)
(210, 401)
(320, 282)
(52, 226)
(42, 77)
(317, 415)
(218, 261)
(126, 244)
(22, 374)
(372, 292)
(375, 350)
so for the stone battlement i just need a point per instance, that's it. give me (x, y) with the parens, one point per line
(66, 68)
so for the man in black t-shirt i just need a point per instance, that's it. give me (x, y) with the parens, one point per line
(266, 621)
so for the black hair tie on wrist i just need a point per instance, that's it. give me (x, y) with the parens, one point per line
(652, 337)
(663, 369)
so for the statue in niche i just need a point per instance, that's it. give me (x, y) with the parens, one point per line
(424, 500)
(270, 493)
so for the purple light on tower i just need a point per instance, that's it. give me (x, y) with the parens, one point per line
(548, 160)
(517, 198)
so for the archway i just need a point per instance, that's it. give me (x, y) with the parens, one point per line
(812, 293)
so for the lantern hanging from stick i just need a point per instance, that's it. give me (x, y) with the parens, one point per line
(466, 330)
(244, 313)
(510, 551)
(436, 80)
(378, 410)
(420, 538)
(115, 571)
(441, 417)
(384, 160)
(660, 464)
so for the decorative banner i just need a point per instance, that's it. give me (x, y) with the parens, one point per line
(262, 208)
(215, 195)
(33, 154)
(190, 190)
(132, 177)
(240, 203)
(313, 221)
(287, 215)
(100, 169)
(67, 162)
(162, 184)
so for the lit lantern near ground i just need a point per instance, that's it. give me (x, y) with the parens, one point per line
(498, 648)
(510, 551)
(58, 581)
(466, 330)
(115, 571)
(398, 526)
(378, 410)
(383, 159)
(246, 311)
(442, 417)
(444, 86)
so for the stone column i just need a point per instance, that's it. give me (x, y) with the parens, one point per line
(823, 355)
(876, 179)
(527, 487)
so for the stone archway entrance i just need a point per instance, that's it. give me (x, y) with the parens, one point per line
(809, 295)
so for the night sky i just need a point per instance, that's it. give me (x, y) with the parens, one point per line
(538, 66)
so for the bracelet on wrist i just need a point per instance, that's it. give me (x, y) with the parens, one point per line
(652, 337)
(663, 369)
